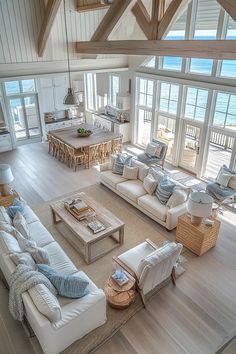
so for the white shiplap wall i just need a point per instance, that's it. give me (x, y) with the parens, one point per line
(20, 22)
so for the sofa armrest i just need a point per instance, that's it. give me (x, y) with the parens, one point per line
(173, 214)
(105, 167)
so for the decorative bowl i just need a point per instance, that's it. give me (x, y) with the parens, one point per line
(84, 133)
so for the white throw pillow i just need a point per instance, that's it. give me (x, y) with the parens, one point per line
(232, 182)
(24, 242)
(4, 226)
(130, 172)
(151, 149)
(158, 150)
(223, 179)
(8, 243)
(157, 173)
(178, 197)
(142, 173)
(39, 254)
(22, 258)
(46, 302)
(4, 216)
(21, 225)
(150, 184)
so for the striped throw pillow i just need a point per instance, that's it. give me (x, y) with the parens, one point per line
(119, 163)
(164, 189)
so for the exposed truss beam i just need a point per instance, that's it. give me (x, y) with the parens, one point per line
(158, 10)
(49, 17)
(174, 11)
(229, 6)
(214, 49)
(91, 7)
(111, 20)
(143, 18)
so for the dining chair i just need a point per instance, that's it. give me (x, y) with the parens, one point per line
(74, 158)
(117, 145)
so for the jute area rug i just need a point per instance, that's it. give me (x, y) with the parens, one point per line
(138, 227)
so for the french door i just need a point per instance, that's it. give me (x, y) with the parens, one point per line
(190, 147)
(25, 117)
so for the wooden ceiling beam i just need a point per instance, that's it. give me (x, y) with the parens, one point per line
(143, 19)
(174, 11)
(214, 49)
(158, 10)
(112, 18)
(229, 6)
(91, 7)
(49, 17)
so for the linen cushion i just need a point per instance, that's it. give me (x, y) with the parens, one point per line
(39, 254)
(39, 234)
(151, 204)
(22, 258)
(8, 243)
(120, 161)
(158, 150)
(232, 182)
(20, 224)
(224, 176)
(4, 226)
(150, 184)
(17, 206)
(132, 189)
(177, 198)
(29, 215)
(24, 242)
(46, 302)
(142, 168)
(4, 216)
(71, 286)
(164, 189)
(151, 149)
(111, 178)
(130, 172)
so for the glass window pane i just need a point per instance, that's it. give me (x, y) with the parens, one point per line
(189, 111)
(201, 66)
(165, 90)
(28, 85)
(149, 101)
(150, 87)
(12, 87)
(150, 63)
(207, 19)
(163, 105)
(172, 63)
(174, 93)
(177, 31)
(200, 114)
(219, 119)
(202, 98)
(144, 127)
(166, 134)
(142, 85)
(232, 105)
(231, 32)
(191, 95)
(142, 99)
(173, 107)
(228, 68)
(222, 101)
(231, 121)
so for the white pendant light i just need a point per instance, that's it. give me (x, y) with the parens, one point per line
(70, 98)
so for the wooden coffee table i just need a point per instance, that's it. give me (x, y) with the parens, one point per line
(81, 233)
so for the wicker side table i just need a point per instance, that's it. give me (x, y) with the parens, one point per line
(197, 238)
(120, 297)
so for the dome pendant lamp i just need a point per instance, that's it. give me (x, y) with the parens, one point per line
(70, 98)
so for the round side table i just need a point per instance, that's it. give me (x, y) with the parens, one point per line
(120, 297)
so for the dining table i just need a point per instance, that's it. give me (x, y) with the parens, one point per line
(82, 145)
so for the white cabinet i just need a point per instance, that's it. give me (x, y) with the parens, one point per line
(52, 91)
(5, 142)
(102, 122)
(63, 124)
(123, 129)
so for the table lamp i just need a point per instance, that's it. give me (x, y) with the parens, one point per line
(6, 177)
(199, 206)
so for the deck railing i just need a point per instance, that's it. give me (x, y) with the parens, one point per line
(218, 139)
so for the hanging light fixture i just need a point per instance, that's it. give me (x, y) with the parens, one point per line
(70, 98)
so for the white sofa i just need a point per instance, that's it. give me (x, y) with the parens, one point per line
(134, 193)
(79, 316)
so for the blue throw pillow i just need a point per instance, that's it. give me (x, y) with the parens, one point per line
(18, 205)
(164, 189)
(71, 286)
(120, 161)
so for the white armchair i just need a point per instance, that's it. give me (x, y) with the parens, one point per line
(150, 265)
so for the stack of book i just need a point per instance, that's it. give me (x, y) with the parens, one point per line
(120, 277)
(79, 209)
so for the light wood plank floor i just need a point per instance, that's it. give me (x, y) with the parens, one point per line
(196, 317)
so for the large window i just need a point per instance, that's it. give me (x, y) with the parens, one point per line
(91, 91)
(196, 103)
(144, 111)
(207, 18)
(21, 86)
(169, 94)
(225, 111)
(115, 88)
(166, 134)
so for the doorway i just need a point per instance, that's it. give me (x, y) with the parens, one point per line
(25, 117)
(190, 147)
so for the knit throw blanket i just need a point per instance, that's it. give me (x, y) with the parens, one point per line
(23, 279)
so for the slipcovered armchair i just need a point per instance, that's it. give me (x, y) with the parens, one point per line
(224, 186)
(155, 153)
(150, 265)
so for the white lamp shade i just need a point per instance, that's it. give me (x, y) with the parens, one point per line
(6, 175)
(200, 204)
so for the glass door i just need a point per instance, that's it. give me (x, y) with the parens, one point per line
(25, 117)
(190, 147)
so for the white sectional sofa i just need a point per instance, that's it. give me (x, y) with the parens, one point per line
(79, 316)
(134, 193)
